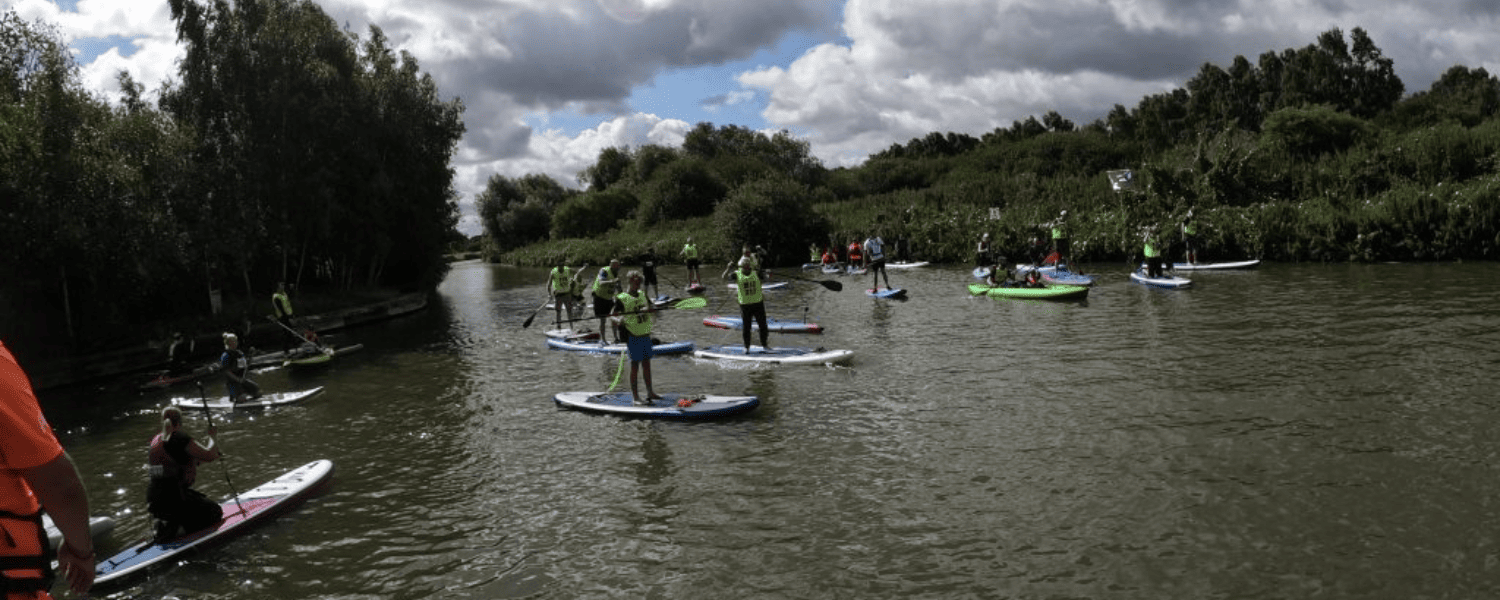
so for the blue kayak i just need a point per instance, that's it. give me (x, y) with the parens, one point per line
(1170, 282)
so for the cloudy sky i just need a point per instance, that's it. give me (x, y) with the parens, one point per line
(547, 84)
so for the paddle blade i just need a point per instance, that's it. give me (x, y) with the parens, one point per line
(832, 285)
(528, 321)
(698, 302)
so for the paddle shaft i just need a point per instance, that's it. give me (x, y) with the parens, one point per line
(225, 470)
(827, 283)
(292, 331)
(686, 304)
(531, 318)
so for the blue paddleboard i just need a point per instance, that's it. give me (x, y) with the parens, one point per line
(894, 293)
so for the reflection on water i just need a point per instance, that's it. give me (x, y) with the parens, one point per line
(1296, 431)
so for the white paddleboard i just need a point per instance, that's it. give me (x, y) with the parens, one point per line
(670, 406)
(572, 334)
(776, 355)
(265, 401)
(1216, 266)
(1169, 281)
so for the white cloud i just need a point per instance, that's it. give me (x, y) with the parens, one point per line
(900, 69)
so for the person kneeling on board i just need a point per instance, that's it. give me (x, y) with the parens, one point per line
(236, 368)
(1000, 275)
(173, 460)
(752, 301)
(634, 311)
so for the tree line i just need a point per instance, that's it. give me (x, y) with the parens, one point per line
(286, 149)
(1311, 153)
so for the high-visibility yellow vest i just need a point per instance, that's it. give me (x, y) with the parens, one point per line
(747, 286)
(635, 318)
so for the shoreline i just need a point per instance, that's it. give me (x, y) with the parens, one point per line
(153, 354)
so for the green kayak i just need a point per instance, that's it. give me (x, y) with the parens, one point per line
(1056, 292)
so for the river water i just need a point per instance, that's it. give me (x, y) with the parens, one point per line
(1297, 431)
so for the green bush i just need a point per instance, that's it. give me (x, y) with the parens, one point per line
(593, 213)
(775, 213)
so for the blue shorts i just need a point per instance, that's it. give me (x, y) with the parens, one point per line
(640, 347)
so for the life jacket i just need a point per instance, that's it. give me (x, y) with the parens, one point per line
(605, 274)
(635, 319)
(1059, 231)
(163, 467)
(1150, 250)
(829, 258)
(281, 304)
(690, 251)
(747, 287)
(875, 246)
(234, 361)
(25, 554)
(854, 252)
(561, 277)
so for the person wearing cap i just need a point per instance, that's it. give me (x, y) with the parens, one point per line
(982, 258)
(236, 368)
(1060, 238)
(172, 459)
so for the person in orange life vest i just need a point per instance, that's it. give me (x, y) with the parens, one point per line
(855, 258)
(173, 458)
(829, 258)
(36, 474)
(634, 310)
(752, 301)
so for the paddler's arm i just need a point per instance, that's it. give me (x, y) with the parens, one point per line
(60, 490)
(206, 452)
(728, 270)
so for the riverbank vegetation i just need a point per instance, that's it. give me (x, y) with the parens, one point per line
(284, 149)
(1308, 154)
